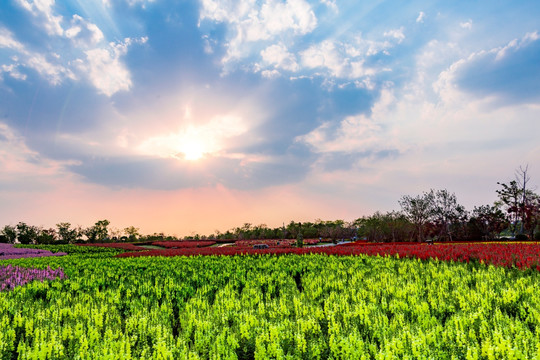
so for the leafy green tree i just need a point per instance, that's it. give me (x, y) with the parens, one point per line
(489, 220)
(26, 234)
(336, 230)
(531, 215)
(99, 232)
(46, 236)
(373, 227)
(132, 233)
(292, 230)
(66, 234)
(8, 234)
(300, 237)
(390, 227)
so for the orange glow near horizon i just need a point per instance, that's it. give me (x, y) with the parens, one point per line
(181, 212)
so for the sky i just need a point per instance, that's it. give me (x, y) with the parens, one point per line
(192, 116)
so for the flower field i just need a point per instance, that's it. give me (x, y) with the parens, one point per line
(8, 251)
(77, 249)
(13, 276)
(501, 254)
(309, 305)
(122, 246)
(183, 244)
(274, 242)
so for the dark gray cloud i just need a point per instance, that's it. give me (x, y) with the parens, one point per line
(37, 107)
(171, 174)
(346, 161)
(512, 74)
(164, 174)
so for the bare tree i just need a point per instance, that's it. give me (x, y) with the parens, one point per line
(526, 196)
(447, 213)
(520, 201)
(419, 211)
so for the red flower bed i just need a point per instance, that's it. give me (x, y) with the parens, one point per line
(269, 242)
(183, 244)
(274, 242)
(123, 246)
(519, 255)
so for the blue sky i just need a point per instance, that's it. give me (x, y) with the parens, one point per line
(199, 115)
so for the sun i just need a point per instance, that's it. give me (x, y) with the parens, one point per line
(185, 146)
(192, 150)
(195, 143)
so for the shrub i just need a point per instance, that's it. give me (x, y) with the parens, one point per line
(522, 237)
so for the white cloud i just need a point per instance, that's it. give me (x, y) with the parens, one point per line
(105, 70)
(354, 134)
(278, 56)
(515, 44)
(467, 24)
(97, 61)
(396, 34)
(54, 73)
(208, 44)
(295, 15)
(432, 127)
(103, 67)
(252, 22)
(8, 41)
(13, 71)
(341, 60)
(270, 74)
(265, 34)
(143, 3)
(325, 55)
(331, 4)
(361, 46)
(84, 33)
(421, 16)
(431, 142)
(43, 11)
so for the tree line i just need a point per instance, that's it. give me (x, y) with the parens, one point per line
(433, 215)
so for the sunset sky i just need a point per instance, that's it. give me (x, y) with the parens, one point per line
(191, 116)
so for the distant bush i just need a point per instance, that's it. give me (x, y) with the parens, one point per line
(183, 244)
(73, 249)
(522, 237)
(122, 246)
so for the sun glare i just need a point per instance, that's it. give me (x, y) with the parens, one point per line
(190, 145)
(195, 142)
(192, 150)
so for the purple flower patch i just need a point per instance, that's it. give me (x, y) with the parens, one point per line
(7, 251)
(13, 276)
